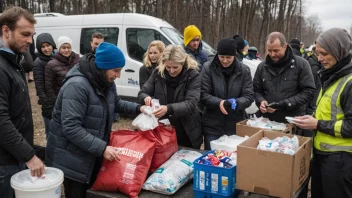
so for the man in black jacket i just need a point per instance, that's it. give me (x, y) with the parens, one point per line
(283, 83)
(16, 123)
(95, 41)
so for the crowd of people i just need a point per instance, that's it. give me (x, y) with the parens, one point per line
(202, 97)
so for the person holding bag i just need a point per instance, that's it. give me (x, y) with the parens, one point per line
(176, 83)
(82, 119)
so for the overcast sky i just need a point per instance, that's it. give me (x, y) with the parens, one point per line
(332, 13)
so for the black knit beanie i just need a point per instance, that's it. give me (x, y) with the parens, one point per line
(239, 42)
(295, 44)
(227, 47)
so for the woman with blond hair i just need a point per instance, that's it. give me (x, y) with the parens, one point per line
(151, 60)
(176, 83)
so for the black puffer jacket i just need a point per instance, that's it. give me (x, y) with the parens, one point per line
(239, 87)
(187, 95)
(55, 73)
(38, 73)
(82, 117)
(291, 82)
(144, 74)
(16, 123)
(316, 67)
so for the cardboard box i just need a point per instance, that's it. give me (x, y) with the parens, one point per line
(271, 173)
(242, 129)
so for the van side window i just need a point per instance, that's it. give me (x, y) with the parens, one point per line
(138, 41)
(110, 35)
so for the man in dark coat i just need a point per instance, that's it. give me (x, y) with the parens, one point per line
(16, 123)
(192, 39)
(316, 67)
(82, 118)
(295, 45)
(283, 80)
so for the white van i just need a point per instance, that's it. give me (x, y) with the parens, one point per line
(130, 31)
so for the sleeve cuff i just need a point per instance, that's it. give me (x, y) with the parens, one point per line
(170, 110)
(138, 109)
(29, 156)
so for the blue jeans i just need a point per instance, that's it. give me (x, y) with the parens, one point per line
(47, 126)
(208, 138)
(6, 172)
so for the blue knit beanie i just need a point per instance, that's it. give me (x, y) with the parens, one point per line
(109, 56)
(245, 42)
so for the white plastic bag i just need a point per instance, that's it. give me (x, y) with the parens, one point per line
(147, 121)
(227, 143)
(173, 174)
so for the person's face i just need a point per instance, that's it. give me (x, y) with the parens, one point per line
(20, 38)
(174, 69)
(246, 48)
(301, 45)
(65, 50)
(112, 74)
(95, 43)
(46, 49)
(226, 61)
(326, 59)
(275, 50)
(154, 54)
(194, 44)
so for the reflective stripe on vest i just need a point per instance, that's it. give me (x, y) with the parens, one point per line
(329, 108)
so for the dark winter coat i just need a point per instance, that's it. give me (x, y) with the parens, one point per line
(38, 73)
(144, 74)
(239, 87)
(82, 116)
(291, 82)
(16, 123)
(199, 55)
(55, 72)
(27, 62)
(315, 66)
(185, 107)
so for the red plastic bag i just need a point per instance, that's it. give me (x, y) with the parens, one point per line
(166, 145)
(129, 173)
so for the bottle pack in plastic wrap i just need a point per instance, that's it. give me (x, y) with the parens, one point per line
(173, 174)
(265, 123)
(280, 144)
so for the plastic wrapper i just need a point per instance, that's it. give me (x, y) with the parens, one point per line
(228, 143)
(280, 144)
(265, 123)
(173, 174)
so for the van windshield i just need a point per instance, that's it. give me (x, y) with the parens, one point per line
(177, 38)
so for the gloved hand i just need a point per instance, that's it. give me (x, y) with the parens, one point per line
(278, 105)
(233, 103)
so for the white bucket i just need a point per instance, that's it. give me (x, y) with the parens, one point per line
(50, 186)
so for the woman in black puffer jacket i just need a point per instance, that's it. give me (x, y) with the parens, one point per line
(45, 46)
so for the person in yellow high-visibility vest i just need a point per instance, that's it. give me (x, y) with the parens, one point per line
(332, 121)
